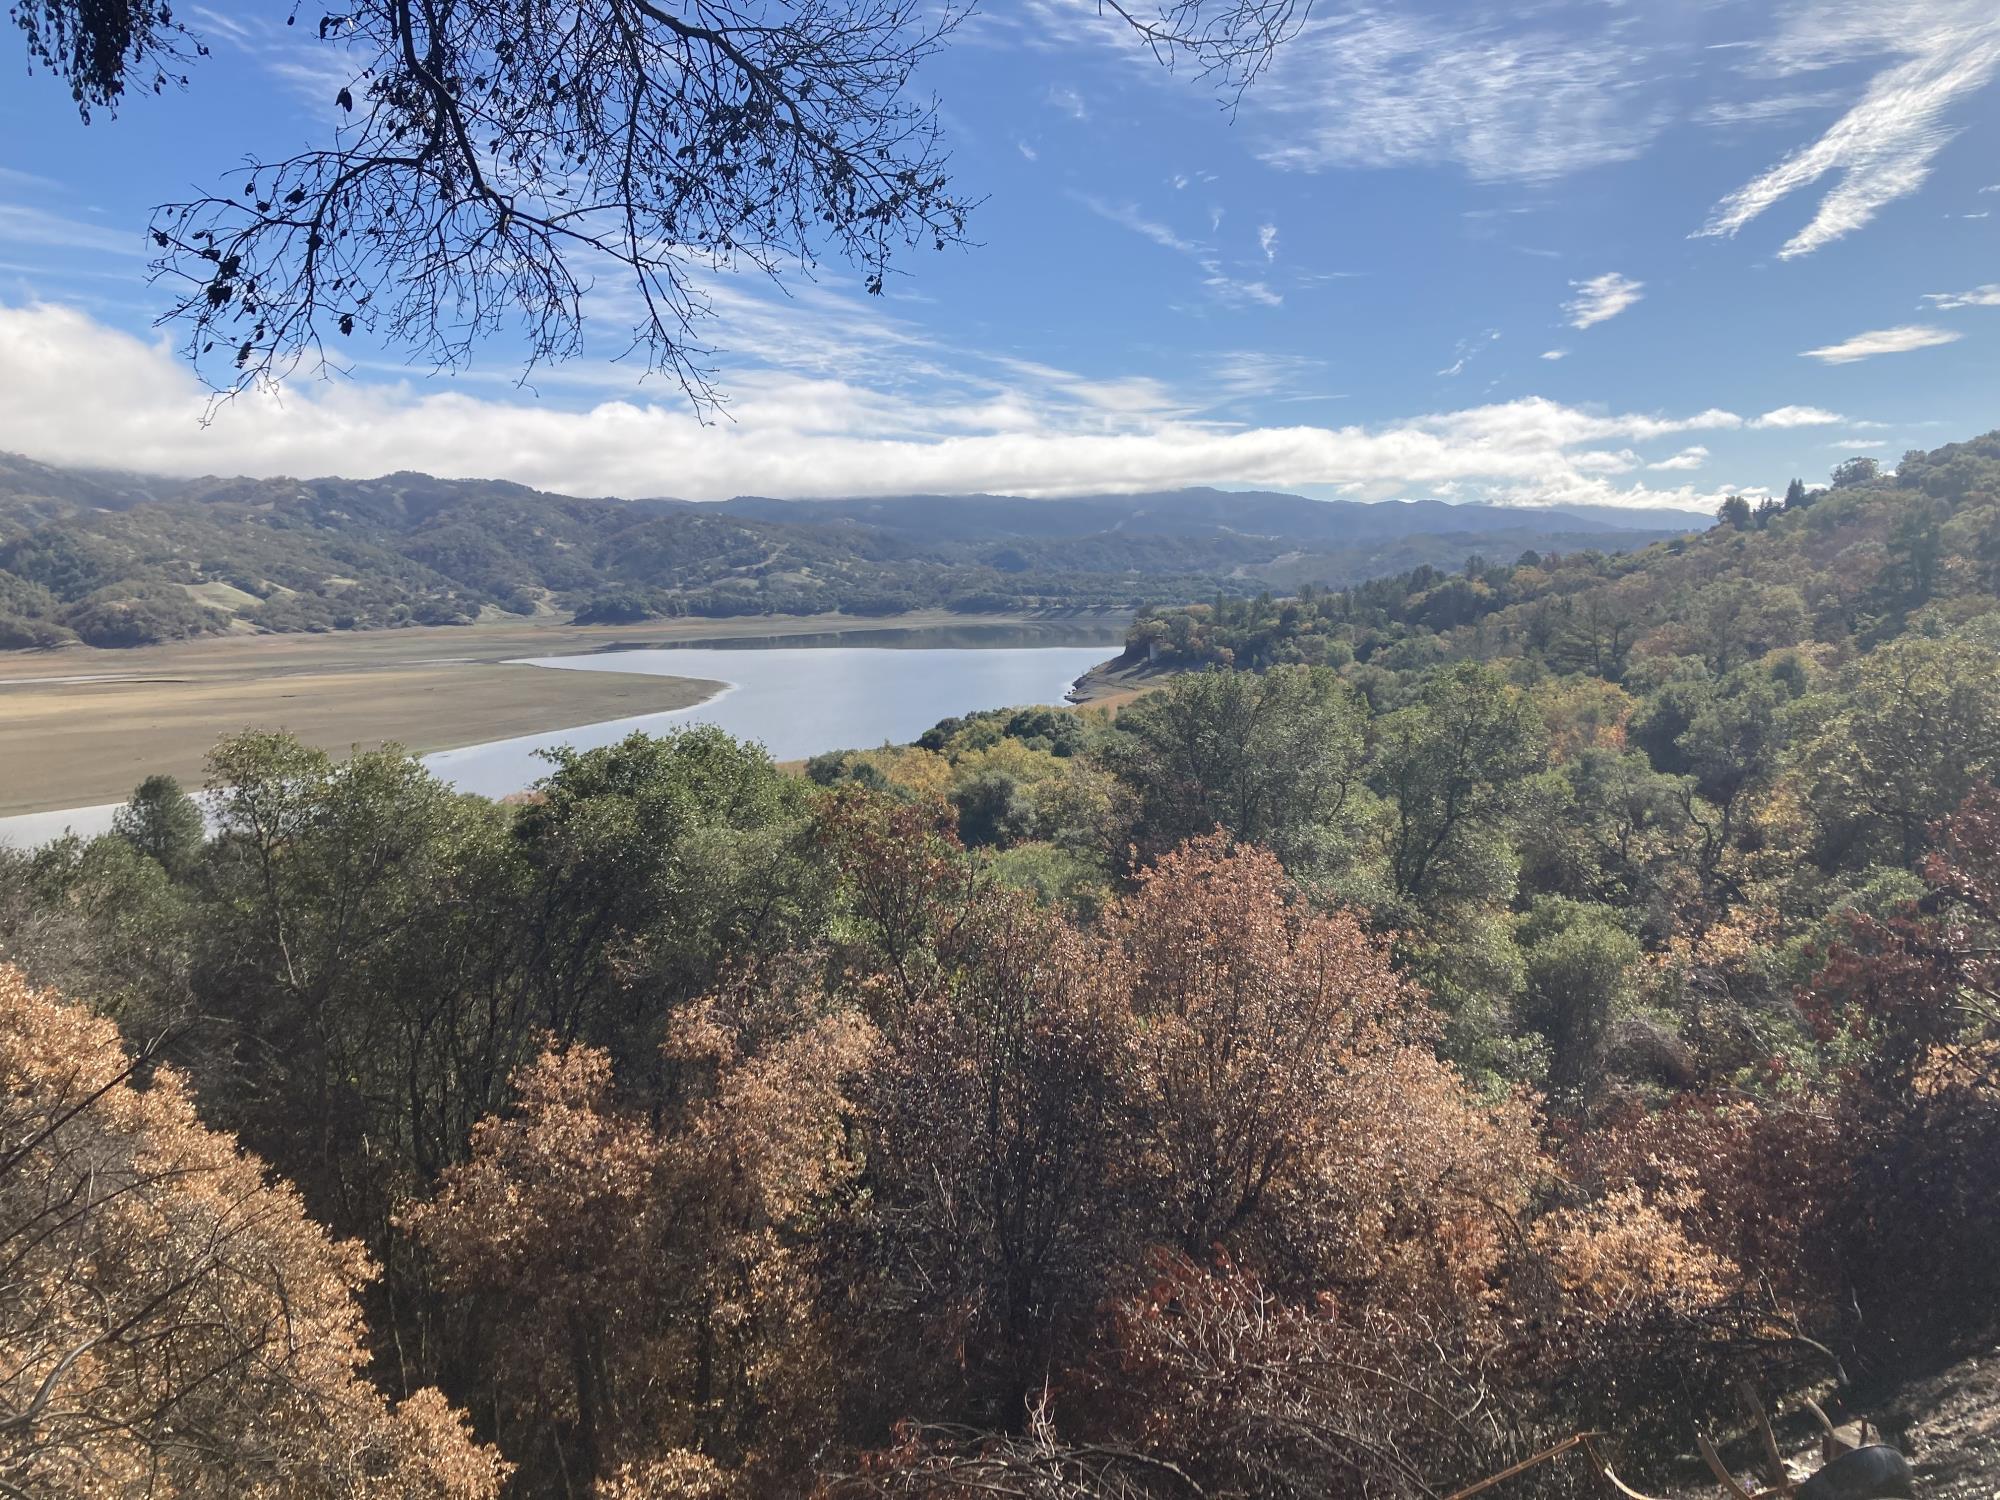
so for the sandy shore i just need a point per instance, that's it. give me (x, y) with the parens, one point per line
(1111, 686)
(81, 726)
(78, 744)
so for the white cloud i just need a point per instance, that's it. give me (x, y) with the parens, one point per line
(1603, 461)
(1069, 101)
(1381, 88)
(1601, 298)
(1797, 416)
(1129, 216)
(1765, 111)
(1468, 350)
(1883, 148)
(1687, 458)
(1979, 296)
(1216, 277)
(1247, 374)
(23, 225)
(1267, 240)
(81, 392)
(1859, 444)
(1882, 341)
(1027, 151)
(1555, 354)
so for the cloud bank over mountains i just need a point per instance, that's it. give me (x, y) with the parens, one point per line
(798, 435)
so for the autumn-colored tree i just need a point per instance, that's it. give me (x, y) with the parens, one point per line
(1254, 1016)
(906, 889)
(644, 1318)
(171, 1323)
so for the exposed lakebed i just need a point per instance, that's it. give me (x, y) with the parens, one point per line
(795, 700)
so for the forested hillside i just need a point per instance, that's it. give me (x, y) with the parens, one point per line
(1474, 1007)
(118, 560)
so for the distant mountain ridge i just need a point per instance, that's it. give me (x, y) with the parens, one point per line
(1253, 512)
(122, 559)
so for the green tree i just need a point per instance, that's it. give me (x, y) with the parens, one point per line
(649, 864)
(1737, 619)
(1614, 835)
(1275, 760)
(344, 939)
(100, 913)
(1731, 749)
(1455, 767)
(1916, 552)
(163, 821)
(1858, 470)
(1734, 512)
(1913, 727)
(1579, 961)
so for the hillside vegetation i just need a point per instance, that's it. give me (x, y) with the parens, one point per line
(1471, 1008)
(118, 561)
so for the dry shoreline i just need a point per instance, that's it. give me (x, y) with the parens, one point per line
(1115, 683)
(80, 727)
(81, 744)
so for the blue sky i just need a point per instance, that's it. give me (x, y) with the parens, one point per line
(1618, 253)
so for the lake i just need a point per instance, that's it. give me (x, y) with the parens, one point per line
(794, 700)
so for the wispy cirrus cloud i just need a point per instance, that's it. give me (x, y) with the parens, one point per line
(1979, 296)
(1476, 89)
(1770, 110)
(1257, 374)
(1885, 146)
(23, 224)
(1216, 276)
(1882, 341)
(1601, 298)
(1468, 350)
(1553, 354)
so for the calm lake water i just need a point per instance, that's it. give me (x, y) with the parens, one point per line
(794, 700)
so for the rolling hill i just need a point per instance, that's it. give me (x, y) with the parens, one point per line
(119, 559)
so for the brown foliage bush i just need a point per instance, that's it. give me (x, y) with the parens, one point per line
(171, 1323)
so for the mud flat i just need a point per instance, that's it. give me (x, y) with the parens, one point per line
(81, 727)
(74, 743)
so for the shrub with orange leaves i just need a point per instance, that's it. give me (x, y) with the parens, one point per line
(171, 1322)
(1292, 1107)
(638, 1279)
